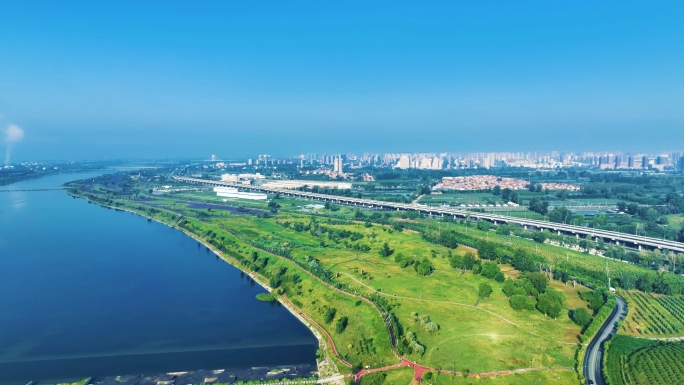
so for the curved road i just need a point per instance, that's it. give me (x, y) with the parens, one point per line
(593, 359)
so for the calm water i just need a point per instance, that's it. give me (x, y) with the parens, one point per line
(87, 291)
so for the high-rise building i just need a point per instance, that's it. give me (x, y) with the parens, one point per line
(337, 165)
(404, 162)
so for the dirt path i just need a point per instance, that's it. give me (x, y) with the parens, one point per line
(332, 344)
(457, 304)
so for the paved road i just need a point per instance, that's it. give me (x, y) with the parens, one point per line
(592, 365)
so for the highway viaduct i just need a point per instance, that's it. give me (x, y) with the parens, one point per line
(628, 240)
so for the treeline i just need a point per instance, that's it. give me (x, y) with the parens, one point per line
(647, 281)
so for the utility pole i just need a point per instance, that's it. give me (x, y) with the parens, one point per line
(607, 275)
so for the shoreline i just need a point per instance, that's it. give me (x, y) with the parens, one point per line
(322, 344)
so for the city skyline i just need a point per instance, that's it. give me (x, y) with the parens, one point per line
(108, 81)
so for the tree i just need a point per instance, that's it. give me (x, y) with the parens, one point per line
(484, 290)
(560, 214)
(539, 280)
(329, 314)
(632, 208)
(580, 316)
(341, 324)
(622, 206)
(490, 269)
(503, 229)
(273, 206)
(517, 302)
(483, 225)
(506, 194)
(584, 245)
(468, 260)
(551, 302)
(496, 190)
(385, 251)
(508, 287)
(456, 262)
(539, 206)
(425, 267)
(486, 250)
(539, 236)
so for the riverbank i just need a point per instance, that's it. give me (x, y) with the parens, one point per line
(298, 374)
(326, 367)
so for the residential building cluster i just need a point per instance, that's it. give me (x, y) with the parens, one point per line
(479, 182)
(560, 186)
(485, 182)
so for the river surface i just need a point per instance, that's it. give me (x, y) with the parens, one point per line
(87, 291)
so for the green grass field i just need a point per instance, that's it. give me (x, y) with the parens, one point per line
(675, 220)
(545, 377)
(516, 340)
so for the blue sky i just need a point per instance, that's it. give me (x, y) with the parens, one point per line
(149, 79)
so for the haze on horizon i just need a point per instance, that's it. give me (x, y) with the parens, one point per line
(88, 80)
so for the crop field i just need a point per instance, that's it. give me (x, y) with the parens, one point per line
(653, 315)
(636, 361)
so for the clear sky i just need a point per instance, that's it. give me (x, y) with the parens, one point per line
(96, 79)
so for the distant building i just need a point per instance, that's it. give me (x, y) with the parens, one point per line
(294, 184)
(337, 165)
(235, 178)
(404, 162)
(231, 192)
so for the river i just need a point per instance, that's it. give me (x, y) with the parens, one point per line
(87, 291)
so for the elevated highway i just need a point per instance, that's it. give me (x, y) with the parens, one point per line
(636, 241)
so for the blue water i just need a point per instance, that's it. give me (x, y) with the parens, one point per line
(88, 291)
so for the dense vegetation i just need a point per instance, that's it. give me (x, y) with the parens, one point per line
(635, 361)
(653, 316)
